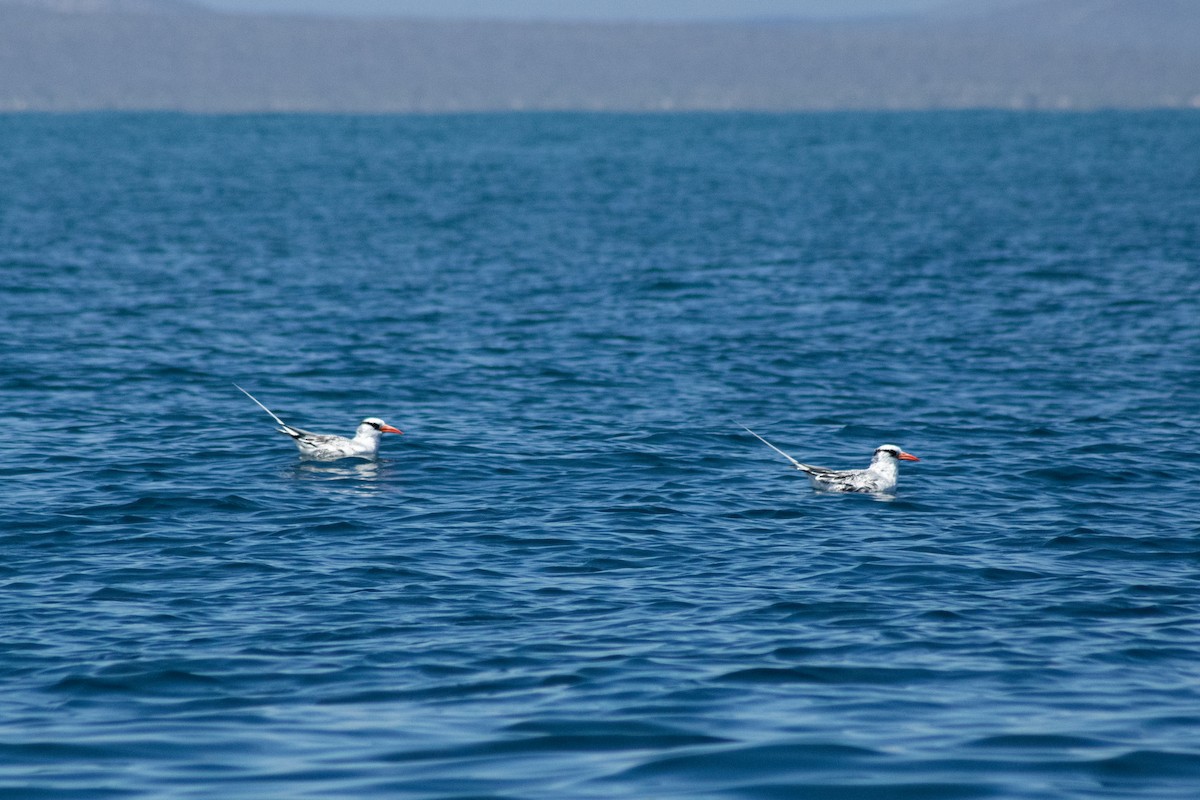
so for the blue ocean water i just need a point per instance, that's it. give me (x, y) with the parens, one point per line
(575, 575)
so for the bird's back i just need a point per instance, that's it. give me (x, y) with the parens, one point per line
(850, 480)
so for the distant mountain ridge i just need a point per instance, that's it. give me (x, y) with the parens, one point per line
(108, 6)
(69, 55)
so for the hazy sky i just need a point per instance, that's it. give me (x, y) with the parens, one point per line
(595, 9)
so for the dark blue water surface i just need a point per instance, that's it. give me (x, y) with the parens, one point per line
(575, 576)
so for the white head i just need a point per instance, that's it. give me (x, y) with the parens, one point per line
(373, 428)
(890, 454)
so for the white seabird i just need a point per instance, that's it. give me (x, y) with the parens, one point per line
(328, 446)
(879, 478)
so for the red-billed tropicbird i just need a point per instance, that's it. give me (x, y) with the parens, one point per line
(328, 446)
(879, 478)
